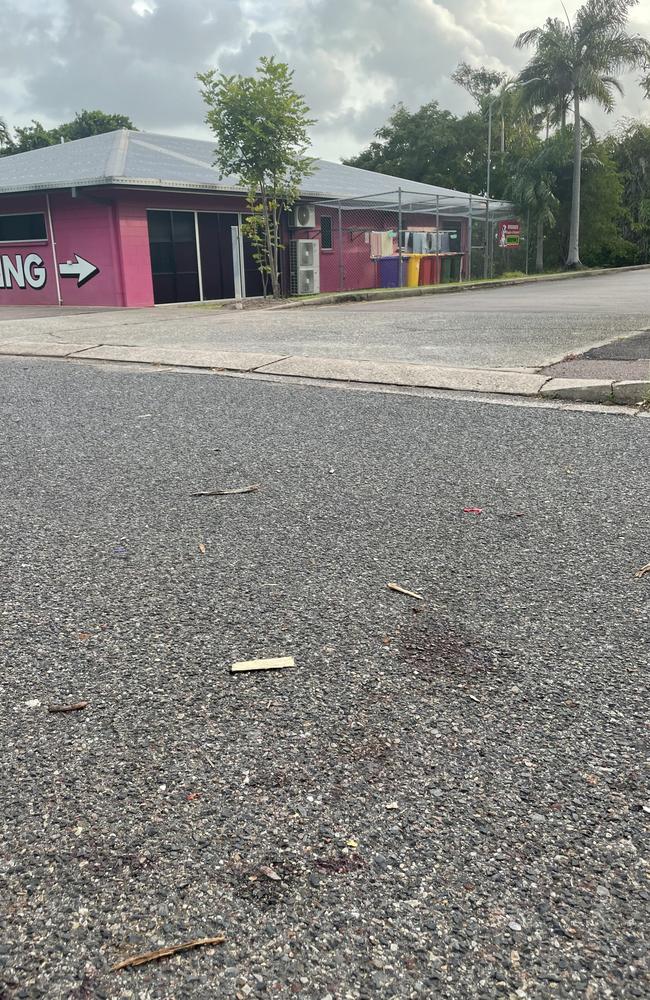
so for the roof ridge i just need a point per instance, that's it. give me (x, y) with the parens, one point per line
(172, 152)
(116, 159)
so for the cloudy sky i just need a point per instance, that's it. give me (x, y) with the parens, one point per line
(353, 59)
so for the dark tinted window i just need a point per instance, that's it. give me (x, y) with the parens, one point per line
(326, 232)
(160, 227)
(183, 223)
(18, 228)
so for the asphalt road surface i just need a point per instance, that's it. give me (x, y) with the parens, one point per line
(448, 794)
(516, 326)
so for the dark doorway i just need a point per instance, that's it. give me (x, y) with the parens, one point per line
(174, 261)
(177, 276)
(252, 277)
(215, 241)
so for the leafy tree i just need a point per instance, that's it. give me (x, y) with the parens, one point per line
(578, 61)
(84, 124)
(5, 135)
(430, 145)
(261, 126)
(34, 136)
(630, 151)
(479, 81)
(532, 189)
(602, 242)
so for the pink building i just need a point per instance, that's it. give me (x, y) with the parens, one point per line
(135, 219)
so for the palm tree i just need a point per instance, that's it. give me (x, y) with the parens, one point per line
(531, 188)
(5, 135)
(578, 61)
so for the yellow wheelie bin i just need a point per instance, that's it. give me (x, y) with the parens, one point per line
(413, 270)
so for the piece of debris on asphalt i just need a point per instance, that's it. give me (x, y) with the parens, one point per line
(275, 663)
(472, 510)
(642, 571)
(227, 493)
(76, 706)
(265, 870)
(202, 548)
(152, 956)
(401, 590)
(33, 703)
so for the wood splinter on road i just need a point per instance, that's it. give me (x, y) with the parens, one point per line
(275, 663)
(152, 956)
(76, 707)
(642, 571)
(400, 590)
(227, 493)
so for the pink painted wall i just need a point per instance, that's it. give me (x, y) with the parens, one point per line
(108, 228)
(46, 295)
(132, 206)
(81, 226)
(85, 225)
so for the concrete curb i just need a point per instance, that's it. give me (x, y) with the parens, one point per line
(627, 393)
(497, 381)
(384, 294)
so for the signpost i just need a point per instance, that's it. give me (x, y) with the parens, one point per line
(509, 233)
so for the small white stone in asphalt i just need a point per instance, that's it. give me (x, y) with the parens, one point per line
(33, 703)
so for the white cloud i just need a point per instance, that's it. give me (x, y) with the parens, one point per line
(353, 59)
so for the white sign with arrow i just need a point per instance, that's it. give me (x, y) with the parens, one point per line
(80, 269)
(30, 271)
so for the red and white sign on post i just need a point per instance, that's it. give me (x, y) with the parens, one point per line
(509, 233)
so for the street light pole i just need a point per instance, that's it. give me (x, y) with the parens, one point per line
(486, 255)
(491, 104)
(489, 150)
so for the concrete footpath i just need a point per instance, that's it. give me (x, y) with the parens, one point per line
(513, 382)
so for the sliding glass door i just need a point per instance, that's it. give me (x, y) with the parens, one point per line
(174, 260)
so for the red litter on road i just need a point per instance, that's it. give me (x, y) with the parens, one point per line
(472, 510)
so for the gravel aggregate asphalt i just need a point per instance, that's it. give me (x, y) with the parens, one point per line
(628, 349)
(452, 792)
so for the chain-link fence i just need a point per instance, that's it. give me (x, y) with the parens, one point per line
(403, 239)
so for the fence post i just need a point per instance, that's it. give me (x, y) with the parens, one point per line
(527, 237)
(486, 252)
(491, 250)
(438, 241)
(341, 263)
(469, 241)
(399, 236)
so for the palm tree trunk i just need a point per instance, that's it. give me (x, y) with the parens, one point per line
(539, 253)
(503, 135)
(573, 256)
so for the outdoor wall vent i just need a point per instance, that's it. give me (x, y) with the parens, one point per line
(303, 217)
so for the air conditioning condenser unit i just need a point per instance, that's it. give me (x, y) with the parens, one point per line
(303, 217)
(304, 257)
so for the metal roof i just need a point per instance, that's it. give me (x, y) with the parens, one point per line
(148, 159)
